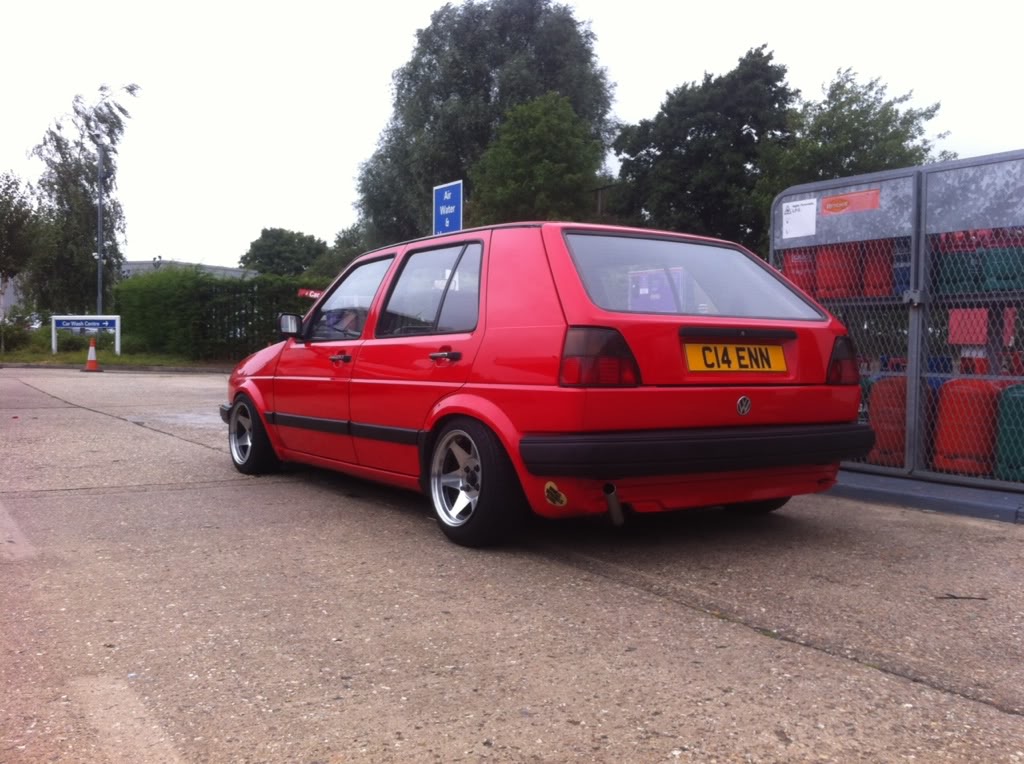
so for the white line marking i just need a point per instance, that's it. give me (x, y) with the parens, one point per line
(13, 543)
(126, 730)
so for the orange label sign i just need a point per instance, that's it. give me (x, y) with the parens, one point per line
(858, 201)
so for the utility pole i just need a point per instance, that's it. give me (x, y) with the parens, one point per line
(99, 228)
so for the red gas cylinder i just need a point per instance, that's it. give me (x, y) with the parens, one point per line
(1004, 237)
(965, 430)
(887, 411)
(798, 265)
(839, 270)
(878, 268)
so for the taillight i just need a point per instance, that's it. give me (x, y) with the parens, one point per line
(842, 366)
(597, 357)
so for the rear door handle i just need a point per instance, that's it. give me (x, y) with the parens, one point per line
(446, 355)
(343, 357)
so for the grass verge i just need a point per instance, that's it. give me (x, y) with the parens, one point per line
(107, 358)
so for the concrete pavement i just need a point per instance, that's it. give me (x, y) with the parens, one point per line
(161, 607)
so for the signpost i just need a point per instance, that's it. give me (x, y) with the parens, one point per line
(86, 322)
(448, 207)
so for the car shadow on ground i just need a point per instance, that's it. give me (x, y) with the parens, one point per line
(683, 528)
(687, 530)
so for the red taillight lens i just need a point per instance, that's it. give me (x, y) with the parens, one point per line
(597, 357)
(842, 366)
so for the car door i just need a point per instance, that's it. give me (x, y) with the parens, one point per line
(423, 345)
(311, 389)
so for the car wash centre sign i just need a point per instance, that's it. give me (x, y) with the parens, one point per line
(86, 324)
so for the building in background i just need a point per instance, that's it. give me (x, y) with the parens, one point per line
(10, 295)
(137, 267)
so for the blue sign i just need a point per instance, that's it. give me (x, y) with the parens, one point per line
(85, 323)
(448, 207)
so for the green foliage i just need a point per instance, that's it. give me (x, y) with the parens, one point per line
(543, 165)
(19, 230)
(471, 66)
(856, 129)
(13, 336)
(18, 223)
(348, 245)
(717, 153)
(39, 351)
(190, 313)
(73, 342)
(693, 167)
(281, 252)
(133, 344)
(61, 274)
(41, 340)
(21, 338)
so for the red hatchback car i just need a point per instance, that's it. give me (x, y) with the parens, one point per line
(569, 369)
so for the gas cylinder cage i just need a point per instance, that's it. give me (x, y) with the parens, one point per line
(925, 266)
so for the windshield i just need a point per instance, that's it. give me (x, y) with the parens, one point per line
(641, 275)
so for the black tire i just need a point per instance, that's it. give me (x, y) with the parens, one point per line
(473, 488)
(758, 507)
(251, 452)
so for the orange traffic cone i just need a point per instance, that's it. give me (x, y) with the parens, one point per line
(90, 362)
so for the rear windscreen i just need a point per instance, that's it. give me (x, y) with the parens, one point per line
(640, 275)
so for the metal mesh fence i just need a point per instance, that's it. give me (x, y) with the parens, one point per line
(863, 283)
(925, 266)
(959, 410)
(972, 353)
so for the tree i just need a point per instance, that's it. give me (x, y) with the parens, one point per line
(855, 129)
(694, 166)
(348, 245)
(18, 231)
(543, 165)
(18, 223)
(282, 252)
(79, 154)
(716, 155)
(471, 65)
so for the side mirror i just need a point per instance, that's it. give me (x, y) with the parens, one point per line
(289, 325)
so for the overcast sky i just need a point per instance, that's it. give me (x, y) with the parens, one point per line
(257, 115)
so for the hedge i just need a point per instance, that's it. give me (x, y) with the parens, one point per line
(184, 311)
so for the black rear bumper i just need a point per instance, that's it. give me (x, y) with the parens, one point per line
(675, 452)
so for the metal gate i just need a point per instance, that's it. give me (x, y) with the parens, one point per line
(925, 266)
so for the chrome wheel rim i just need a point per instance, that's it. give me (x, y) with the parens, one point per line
(240, 433)
(455, 478)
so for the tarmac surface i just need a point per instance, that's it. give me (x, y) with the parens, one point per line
(160, 607)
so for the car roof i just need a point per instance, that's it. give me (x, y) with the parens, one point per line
(560, 224)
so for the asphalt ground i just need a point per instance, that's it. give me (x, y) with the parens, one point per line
(160, 607)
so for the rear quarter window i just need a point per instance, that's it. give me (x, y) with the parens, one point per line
(436, 292)
(648, 275)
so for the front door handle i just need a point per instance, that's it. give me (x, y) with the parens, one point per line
(446, 355)
(343, 357)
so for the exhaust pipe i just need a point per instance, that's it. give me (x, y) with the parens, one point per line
(614, 505)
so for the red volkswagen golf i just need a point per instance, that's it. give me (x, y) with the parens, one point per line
(561, 368)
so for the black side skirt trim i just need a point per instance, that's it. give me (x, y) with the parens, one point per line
(400, 435)
(335, 426)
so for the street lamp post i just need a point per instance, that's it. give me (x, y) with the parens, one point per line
(99, 228)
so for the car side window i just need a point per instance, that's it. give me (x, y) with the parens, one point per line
(461, 305)
(437, 292)
(343, 313)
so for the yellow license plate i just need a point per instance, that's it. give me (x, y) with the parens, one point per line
(749, 358)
